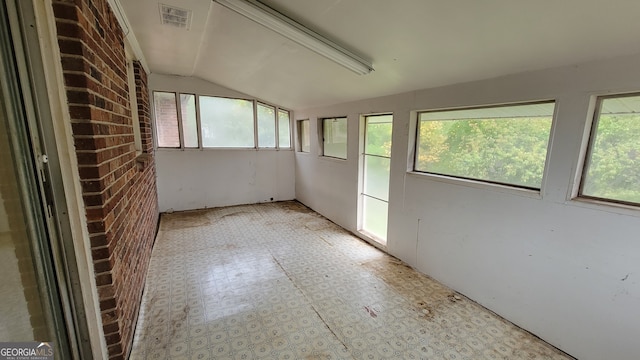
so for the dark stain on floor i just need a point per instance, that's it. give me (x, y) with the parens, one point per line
(184, 219)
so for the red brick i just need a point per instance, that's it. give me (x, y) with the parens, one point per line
(122, 210)
(111, 328)
(71, 47)
(65, 11)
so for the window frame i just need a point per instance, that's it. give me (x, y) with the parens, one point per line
(254, 137)
(155, 120)
(322, 135)
(300, 147)
(588, 152)
(485, 182)
(275, 126)
(181, 122)
(278, 146)
(200, 146)
(362, 177)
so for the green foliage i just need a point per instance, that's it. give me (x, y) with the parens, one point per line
(378, 139)
(513, 151)
(614, 169)
(510, 151)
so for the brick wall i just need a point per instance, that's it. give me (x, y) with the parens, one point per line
(144, 114)
(119, 189)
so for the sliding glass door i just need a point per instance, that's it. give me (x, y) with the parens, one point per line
(34, 291)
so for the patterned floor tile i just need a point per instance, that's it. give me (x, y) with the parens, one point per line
(278, 281)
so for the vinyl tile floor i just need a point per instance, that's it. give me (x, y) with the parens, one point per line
(279, 281)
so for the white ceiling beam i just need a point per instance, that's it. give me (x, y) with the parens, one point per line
(292, 30)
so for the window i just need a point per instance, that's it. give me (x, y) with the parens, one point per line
(266, 126)
(612, 166)
(189, 120)
(303, 135)
(216, 122)
(501, 144)
(284, 132)
(166, 113)
(334, 137)
(226, 122)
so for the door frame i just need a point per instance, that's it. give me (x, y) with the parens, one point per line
(362, 136)
(58, 210)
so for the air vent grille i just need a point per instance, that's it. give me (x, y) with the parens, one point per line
(174, 16)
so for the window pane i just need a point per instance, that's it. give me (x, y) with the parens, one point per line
(376, 176)
(284, 136)
(506, 144)
(613, 170)
(374, 217)
(226, 122)
(166, 119)
(303, 131)
(189, 123)
(266, 126)
(335, 137)
(378, 135)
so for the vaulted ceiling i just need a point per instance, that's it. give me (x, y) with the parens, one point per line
(413, 44)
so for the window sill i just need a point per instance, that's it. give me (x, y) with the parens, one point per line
(332, 158)
(514, 190)
(222, 149)
(607, 206)
(273, 149)
(143, 160)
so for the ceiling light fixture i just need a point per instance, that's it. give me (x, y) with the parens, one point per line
(294, 31)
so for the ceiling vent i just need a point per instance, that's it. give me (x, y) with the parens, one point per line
(174, 16)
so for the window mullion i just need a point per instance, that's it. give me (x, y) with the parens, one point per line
(277, 124)
(198, 123)
(179, 114)
(255, 125)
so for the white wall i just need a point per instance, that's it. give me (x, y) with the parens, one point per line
(566, 270)
(196, 179)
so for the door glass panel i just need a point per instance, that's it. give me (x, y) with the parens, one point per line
(376, 176)
(21, 310)
(375, 213)
(378, 137)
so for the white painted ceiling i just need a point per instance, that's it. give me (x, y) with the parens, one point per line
(413, 44)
